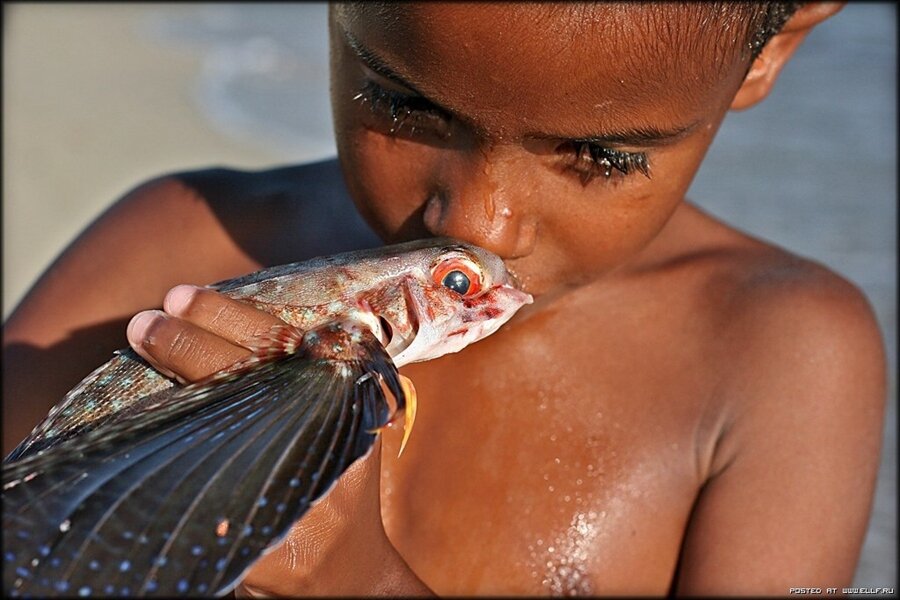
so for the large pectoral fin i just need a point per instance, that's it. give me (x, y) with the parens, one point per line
(114, 391)
(182, 499)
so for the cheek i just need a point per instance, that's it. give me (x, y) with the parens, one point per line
(613, 221)
(387, 177)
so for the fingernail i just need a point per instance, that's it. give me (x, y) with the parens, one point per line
(140, 323)
(178, 298)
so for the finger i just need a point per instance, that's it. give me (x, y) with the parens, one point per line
(178, 348)
(235, 321)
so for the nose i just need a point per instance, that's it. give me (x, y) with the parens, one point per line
(483, 198)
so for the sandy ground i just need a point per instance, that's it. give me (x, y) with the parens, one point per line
(91, 108)
(98, 98)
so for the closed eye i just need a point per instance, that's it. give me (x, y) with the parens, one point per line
(588, 160)
(404, 113)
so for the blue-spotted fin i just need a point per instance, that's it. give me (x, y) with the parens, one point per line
(135, 485)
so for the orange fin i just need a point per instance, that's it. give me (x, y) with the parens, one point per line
(409, 413)
(409, 390)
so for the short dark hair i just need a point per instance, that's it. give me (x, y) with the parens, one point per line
(765, 20)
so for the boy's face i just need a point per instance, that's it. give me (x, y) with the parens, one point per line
(514, 123)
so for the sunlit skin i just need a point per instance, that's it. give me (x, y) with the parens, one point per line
(682, 408)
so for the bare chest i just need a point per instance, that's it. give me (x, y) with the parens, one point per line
(566, 466)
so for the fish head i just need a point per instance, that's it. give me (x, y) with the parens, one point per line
(451, 295)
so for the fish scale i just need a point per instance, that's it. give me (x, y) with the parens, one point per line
(136, 485)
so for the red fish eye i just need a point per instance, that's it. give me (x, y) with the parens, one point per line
(459, 276)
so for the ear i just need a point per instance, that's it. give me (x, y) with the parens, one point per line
(767, 66)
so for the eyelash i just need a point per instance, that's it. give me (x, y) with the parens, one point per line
(402, 109)
(587, 159)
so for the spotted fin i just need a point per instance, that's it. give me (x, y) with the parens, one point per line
(114, 391)
(181, 499)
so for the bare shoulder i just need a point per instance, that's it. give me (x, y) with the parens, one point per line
(796, 346)
(778, 297)
(777, 302)
(281, 214)
(798, 397)
(191, 227)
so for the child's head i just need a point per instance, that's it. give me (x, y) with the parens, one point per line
(560, 136)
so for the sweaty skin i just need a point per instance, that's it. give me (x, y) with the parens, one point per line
(683, 407)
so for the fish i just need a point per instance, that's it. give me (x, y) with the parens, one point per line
(136, 485)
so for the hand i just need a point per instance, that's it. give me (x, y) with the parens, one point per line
(339, 546)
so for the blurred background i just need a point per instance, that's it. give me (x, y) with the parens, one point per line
(97, 98)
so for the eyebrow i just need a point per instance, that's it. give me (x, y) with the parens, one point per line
(637, 136)
(641, 136)
(377, 64)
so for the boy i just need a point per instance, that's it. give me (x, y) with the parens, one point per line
(683, 408)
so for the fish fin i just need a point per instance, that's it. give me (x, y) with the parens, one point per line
(182, 499)
(100, 398)
(408, 412)
(409, 390)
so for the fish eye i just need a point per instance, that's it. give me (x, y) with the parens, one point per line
(458, 275)
(457, 281)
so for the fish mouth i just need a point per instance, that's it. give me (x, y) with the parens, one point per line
(514, 292)
(387, 331)
(397, 338)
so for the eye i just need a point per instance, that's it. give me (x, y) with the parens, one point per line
(404, 113)
(457, 281)
(587, 159)
(458, 275)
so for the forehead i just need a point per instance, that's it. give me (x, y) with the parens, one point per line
(521, 67)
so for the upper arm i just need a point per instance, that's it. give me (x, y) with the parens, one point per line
(795, 465)
(158, 235)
